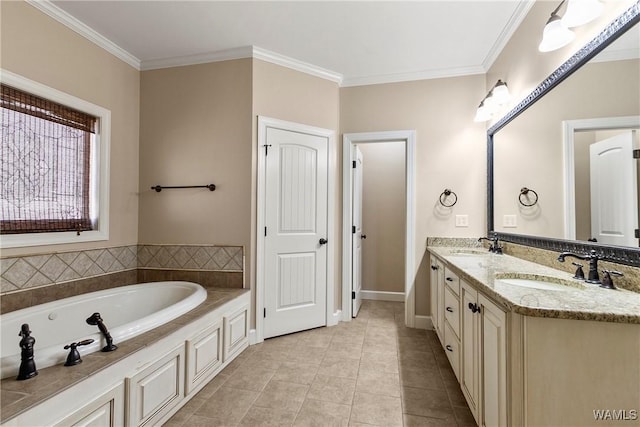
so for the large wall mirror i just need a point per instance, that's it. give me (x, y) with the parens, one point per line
(570, 146)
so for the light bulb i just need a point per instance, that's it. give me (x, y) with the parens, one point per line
(580, 12)
(555, 35)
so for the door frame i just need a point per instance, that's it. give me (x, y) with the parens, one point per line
(348, 140)
(265, 123)
(568, 129)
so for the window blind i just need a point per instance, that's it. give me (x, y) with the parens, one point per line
(45, 165)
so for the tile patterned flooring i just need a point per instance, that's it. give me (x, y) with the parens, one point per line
(370, 371)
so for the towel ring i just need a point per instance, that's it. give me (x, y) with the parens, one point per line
(446, 193)
(524, 191)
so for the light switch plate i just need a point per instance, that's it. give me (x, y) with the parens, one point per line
(462, 220)
(510, 221)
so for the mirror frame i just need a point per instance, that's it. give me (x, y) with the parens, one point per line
(617, 254)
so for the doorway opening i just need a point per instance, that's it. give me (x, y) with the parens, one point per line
(407, 137)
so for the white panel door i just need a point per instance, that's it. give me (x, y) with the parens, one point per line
(614, 193)
(356, 235)
(295, 259)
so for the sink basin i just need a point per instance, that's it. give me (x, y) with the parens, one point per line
(538, 282)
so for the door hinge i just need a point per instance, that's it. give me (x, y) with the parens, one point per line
(637, 233)
(265, 313)
(353, 229)
(266, 149)
(353, 295)
(353, 164)
(636, 154)
(265, 232)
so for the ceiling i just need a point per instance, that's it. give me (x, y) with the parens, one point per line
(354, 42)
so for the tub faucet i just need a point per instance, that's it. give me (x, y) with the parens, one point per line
(94, 320)
(494, 247)
(27, 364)
(593, 259)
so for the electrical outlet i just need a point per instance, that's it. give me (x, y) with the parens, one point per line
(462, 220)
(509, 221)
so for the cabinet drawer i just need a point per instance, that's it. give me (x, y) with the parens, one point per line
(452, 310)
(451, 280)
(452, 349)
(153, 392)
(204, 356)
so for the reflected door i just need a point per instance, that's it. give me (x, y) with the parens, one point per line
(614, 190)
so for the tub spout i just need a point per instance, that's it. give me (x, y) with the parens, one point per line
(96, 319)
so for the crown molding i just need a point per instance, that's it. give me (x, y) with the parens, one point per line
(201, 58)
(50, 9)
(418, 75)
(505, 35)
(305, 67)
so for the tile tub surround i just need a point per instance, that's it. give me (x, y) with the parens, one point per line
(19, 396)
(589, 303)
(370, 371)
(35, 279)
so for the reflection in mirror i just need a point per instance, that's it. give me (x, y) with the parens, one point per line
(546, 148)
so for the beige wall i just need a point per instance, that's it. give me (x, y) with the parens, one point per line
(450, 152)
(383, 216)
(41, 49)
(285, 94)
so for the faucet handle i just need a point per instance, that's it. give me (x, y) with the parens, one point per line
(607, 280)
(579, 271)
(74, 355)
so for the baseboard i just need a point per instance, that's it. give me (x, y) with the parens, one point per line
(382, 296)
(423, 322)
(335, 318)
(252, 337)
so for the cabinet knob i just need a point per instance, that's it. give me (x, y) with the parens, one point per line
(450, 310)
(474, 308)
(434, 267)
(449, 348)
(449, 279)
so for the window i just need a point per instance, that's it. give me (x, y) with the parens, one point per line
(53, 165)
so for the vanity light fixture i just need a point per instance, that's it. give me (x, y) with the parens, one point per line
(555, 34)
(580, 12)
(497, 97)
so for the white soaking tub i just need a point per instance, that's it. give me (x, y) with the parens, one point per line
(126, 311)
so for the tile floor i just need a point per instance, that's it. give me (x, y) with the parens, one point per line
(371, 371)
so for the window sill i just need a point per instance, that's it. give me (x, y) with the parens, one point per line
(43, 239)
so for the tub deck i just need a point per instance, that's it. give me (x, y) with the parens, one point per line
(19, 396)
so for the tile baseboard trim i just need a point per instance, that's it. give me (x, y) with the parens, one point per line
(383, 296)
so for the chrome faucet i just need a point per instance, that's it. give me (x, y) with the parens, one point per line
(494, 247)
(593, 259)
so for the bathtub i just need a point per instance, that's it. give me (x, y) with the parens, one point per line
(127, 311)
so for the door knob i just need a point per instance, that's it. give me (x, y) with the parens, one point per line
(323, 241)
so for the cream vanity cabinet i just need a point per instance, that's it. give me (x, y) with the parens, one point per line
(484, 363)
(472, 330)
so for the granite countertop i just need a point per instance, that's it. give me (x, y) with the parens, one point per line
(576, 300)
(18, 396)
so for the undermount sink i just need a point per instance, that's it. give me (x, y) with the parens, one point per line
(538, 282)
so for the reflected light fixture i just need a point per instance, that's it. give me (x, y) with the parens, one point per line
(580, 12)
(497, 97)
(555, 34)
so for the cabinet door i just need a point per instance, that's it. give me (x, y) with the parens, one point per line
(494, 368)
(470, 342)
(153, 392)
(436, 269)
(204, 356)
(236, 333)
(105, 411)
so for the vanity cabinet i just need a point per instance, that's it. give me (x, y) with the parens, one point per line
(437, 296)
(484, 364)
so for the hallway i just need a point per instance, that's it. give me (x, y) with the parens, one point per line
(370, 371)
